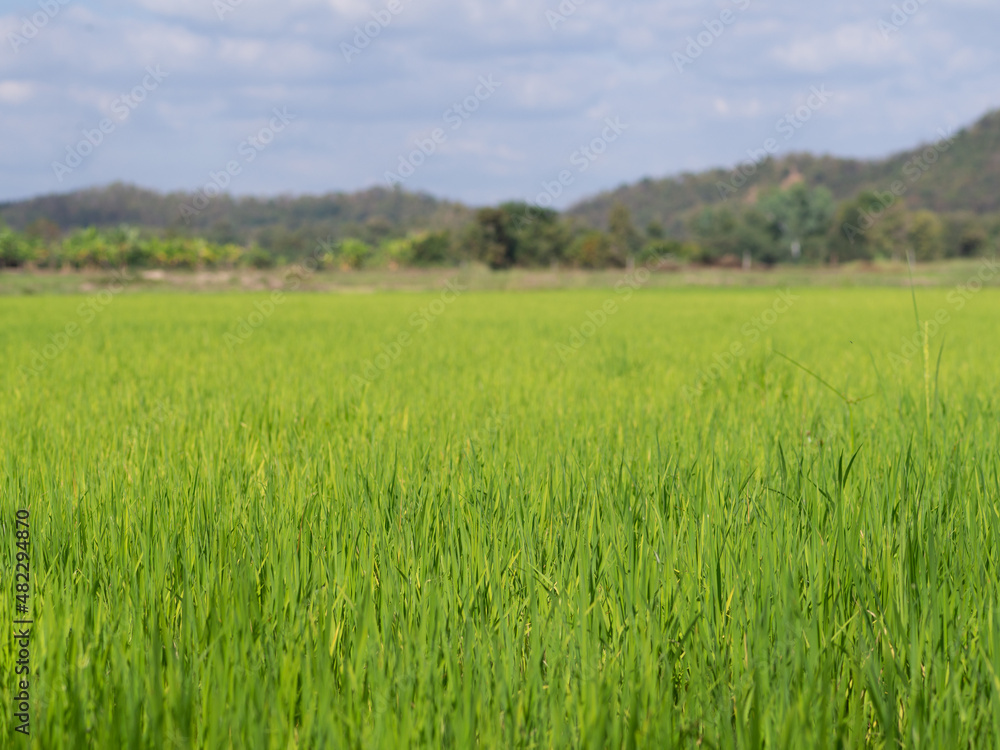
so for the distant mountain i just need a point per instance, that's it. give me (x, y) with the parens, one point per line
(961, 174)
(288, 224)
(963, 177)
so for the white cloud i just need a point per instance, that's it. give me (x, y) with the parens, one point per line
(195, 10)
(16, 92)
(857, 44)
(608, 59)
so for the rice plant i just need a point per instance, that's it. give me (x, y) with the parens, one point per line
(649, 544)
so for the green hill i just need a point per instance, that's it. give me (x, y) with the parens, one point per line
(943, 198)
(964, 177)
(290, 225)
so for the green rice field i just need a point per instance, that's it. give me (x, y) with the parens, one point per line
(600, 518)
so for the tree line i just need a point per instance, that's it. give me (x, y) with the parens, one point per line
(783, 225)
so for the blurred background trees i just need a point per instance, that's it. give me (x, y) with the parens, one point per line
(794, 209)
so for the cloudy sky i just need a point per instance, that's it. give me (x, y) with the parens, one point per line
(503, 97)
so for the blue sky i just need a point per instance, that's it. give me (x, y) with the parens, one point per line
(503, 97)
